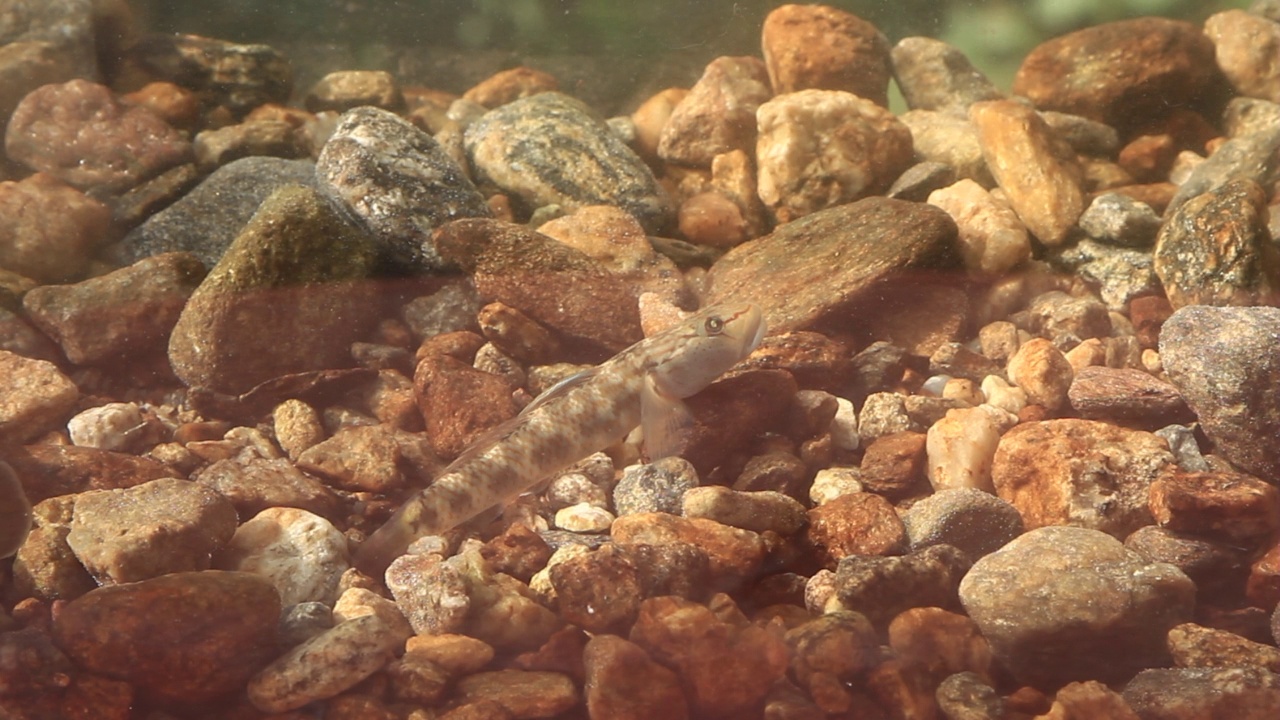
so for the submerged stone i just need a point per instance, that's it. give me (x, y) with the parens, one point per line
(291, 294)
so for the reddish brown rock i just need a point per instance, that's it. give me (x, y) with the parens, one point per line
(458, 402)
(726, 667)
(894, 464)
(257, 484)
(830, 653)
(735, 555)
(719, 113)
(1126, 396)
(523, 693)
(840, 263)
(939, 642)
(35, 398)
(1080, 472)
(593, 311)
(615, 239)
(1089, 699)
(1228, 506)
(1152, 65)
(624, 683)
(177, 105)
(52, 470)
(1148, 314)
(1196, 646)
(123, 314)
(218, 629)
(599, 592)
(81, 134)
(1263, 586)
(48, 231)
(1038, 176)
(856, 524)
(711, 218)
(730, 412)
(821, 47)
(512, 84)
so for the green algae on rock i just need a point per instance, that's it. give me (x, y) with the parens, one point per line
(297, 270)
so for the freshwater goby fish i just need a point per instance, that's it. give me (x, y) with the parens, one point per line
(583, 414)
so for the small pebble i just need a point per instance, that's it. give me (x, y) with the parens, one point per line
(961, 447)
(303, 555)
(584, 518)
(756, 511)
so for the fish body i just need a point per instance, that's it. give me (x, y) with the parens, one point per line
(587, 412)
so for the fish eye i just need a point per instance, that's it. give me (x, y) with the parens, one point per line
(714, 325)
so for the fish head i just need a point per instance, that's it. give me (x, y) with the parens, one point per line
(706, 344)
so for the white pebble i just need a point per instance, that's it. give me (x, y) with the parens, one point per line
(1001, 394)
(961, 446)
(834, 482)
(301, 553)
(844, 426)
(107, 427)
(584, 518)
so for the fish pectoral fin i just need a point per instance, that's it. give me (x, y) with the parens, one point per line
(664, 420)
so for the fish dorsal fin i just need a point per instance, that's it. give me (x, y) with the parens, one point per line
(498, 432)
(561, 389)
(664, 420)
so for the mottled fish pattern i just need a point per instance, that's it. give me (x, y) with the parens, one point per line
(640, 386)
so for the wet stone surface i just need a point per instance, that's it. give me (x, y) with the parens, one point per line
(398, 180)
(568, 157)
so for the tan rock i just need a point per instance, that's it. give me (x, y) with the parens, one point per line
(1040, 181)
(820, 148)
(1080, 472)
(718, 114)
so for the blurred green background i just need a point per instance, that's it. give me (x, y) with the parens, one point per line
(996, 34)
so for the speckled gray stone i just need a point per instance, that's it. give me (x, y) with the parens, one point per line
(1120, 220)
(552, 149)
(936, 76)
(657, 487)
(1061, 604)
(206, 220)
(972, 520)
(1226, 364)
(398, 181)
(1120, 273)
